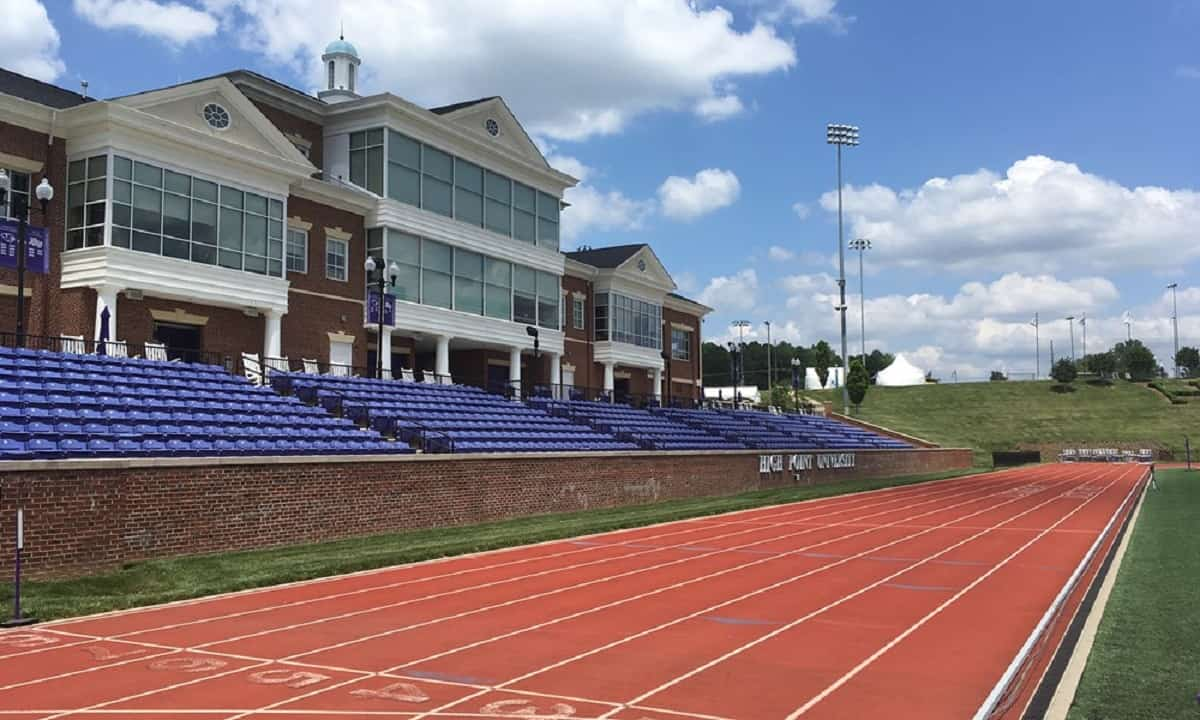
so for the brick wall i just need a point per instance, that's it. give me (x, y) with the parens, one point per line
(84, 516)
(228, 332)
(289, 125)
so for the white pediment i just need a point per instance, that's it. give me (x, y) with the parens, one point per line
(185, 105)
(645, 267)
(477, 118)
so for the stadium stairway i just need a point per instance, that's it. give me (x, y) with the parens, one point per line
(60, 405)
(447, 418)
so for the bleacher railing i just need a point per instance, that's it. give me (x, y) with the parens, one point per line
(119, 348)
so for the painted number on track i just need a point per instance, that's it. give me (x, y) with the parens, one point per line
(27, 640)
(525, 707)
(100, 653)
(187, 664)
(290, 678)
(399, 692)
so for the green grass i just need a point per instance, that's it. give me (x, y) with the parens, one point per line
(158, 581)
(1145, 664)
(1009, 415)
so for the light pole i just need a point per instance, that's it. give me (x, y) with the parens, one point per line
(733, 366)
(741, 325)
(770, 369)
(381, 283)
(796, 380)
(1071, 324)
(1175, 325)
(839, 135)
(861, 244)
(1128, 320)
(1083, 324)
(20, 211)
(1037, 348)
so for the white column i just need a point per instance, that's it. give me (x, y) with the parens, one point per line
(441, 362)
(514, 370)
(272, 340)
(385, 350)
(106, 297)
(658, 388)
(608, 379)
(556, 390)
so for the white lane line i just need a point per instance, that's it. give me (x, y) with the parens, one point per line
(707, 610)
(937, 611)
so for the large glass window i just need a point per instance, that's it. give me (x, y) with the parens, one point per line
(437, 267)
(437, 179)
(468, 192)
(468, 282)
(405, 250)
(681, 344)
(524, 295)
(404, 169)
(498, 290)
(163, 212)
(624, 319)
(548, 298)
(86, 194)
(524, 213)
(18, 193)
(547, 226)
(577, 311)
(498, 208)
(366, 159)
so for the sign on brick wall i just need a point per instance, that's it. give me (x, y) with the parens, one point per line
(37, 247)
(799, 463)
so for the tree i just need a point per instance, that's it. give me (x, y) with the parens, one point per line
(877, 361)
(1064, 372)
(1188, 359)
(823, 359)
(1135, 359)
(997, 376)
(1103, 364)
(857, 382)
(780, 396)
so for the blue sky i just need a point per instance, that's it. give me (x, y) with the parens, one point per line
(1016, 157)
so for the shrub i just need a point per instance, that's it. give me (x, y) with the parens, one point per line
(1064, 372)
(857, 382)
(997, 376)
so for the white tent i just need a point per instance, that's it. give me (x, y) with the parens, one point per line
(812, 382)
(900, 372)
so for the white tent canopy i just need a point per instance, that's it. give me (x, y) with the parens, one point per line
(901, 372)
(813, 382)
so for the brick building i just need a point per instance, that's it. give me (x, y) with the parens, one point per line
(235, 214)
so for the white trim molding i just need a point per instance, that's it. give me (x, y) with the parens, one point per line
(431, 321)
(627, 355)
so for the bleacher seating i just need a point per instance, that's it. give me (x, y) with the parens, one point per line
(650, 430)
(55, 405)
(818, 432)
(446, 417)
(736, 424)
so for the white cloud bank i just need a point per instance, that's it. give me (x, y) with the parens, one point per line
(689, 198)
(28, 40)
(173, 22)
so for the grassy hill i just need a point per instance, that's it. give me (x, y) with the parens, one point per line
(1010, 415)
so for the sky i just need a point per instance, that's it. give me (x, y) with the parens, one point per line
(1016, 158)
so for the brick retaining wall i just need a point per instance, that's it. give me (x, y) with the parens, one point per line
(83, 516)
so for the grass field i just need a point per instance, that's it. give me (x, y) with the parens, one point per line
(1006, 415)
(1145, 664)
(160, 581)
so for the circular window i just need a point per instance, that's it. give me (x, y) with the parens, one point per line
(493, 127)
(216, 116)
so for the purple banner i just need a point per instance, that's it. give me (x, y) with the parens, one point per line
(37, 247)
(389, 308)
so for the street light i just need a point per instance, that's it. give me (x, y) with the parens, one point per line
(20, 211)
(1175, 325)
(839, 135)
(1083, 324)
(1037, 348)
(861, 244)
(381, 283)
(1071, 324)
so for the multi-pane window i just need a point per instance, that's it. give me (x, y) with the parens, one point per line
(681, 344)
(524, 295)
(468, 282)
(336, 253)
(577, 313)
(497, 291)
(548, 298)
(620, 318)
(421, 175)
(297, 251)
(18, 194)
(86, 192)
(405, 251)
(437, 272)
(162, 212)
(366, 160)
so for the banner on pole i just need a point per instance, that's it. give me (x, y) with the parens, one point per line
(389, 309)
(37, 247)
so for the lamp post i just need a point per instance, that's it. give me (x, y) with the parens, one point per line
(839, 135)
(770, 369)
(1083, 325)
(1071, 324)
(382, 282)
(861, 244)
(733, 365)
(741, 325)
(20, 211)
(1175, 325)
(1037, 348)
(796, 380)
(1128, 320)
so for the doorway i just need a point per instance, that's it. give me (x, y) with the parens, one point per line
(184, 342)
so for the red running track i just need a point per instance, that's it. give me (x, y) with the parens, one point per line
(903, 603)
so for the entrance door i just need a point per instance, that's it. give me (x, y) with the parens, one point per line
(341, 357)
(185, 342)
(621, 389)
(497, 378)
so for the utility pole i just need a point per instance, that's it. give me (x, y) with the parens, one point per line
(1037, 348)
(1175, 326)
(770, 367)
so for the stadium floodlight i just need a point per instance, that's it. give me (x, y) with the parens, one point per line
(1128, 320)
(1071, 324)
(861, 244)
(1083, 324)
(1175, 325)
(741, 325)
(838, 135)
(1037, 347)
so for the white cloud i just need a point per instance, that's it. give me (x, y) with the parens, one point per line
(595, 209)
(719, 107)
(807, 12)
(709, 190)
(1041, 215)
(569, 70)
(28, 40)
(173, 22)
(728, 293)
(801, 209)
(780, 254)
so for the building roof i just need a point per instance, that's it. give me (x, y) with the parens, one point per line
(684, 298)
(21, 86)
(606, 257)
(447, 109)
